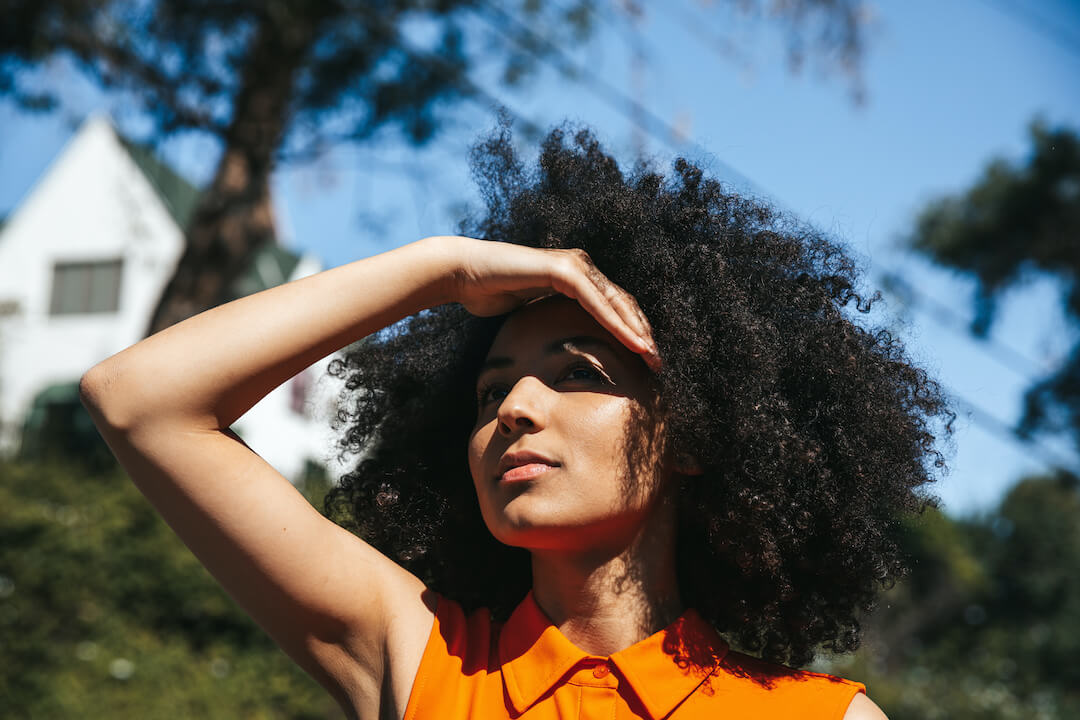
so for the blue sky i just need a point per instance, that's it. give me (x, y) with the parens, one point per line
(948, 86)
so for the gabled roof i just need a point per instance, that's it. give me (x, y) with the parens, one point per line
(178, 195)
(270, 266)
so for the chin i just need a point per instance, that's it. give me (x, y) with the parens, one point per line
(541, 531)
(519, 527)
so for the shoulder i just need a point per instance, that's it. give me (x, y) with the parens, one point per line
(456, 640)
(457, 668)
(407, 637)
(773, 688)
(863, 708)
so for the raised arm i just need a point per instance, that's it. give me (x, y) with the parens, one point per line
(164, 406)
(349, 616)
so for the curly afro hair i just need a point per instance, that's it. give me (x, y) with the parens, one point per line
(815, 435)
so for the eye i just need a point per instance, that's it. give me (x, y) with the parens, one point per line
(580, 374)
(490, 393)
(585, 372)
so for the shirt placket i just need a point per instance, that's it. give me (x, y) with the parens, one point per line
(598, 689)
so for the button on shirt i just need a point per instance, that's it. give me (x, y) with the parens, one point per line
(473, 667)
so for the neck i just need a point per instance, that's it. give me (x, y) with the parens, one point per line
(606, 600)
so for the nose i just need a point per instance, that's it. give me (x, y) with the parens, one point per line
(524, 409)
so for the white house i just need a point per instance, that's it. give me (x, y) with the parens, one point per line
(83, 260)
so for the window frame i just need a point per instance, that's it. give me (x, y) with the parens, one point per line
(86, 287)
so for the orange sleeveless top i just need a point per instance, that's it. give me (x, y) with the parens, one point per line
(473, 667)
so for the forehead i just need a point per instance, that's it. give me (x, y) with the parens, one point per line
(539, 323)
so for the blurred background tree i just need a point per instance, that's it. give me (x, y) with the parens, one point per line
(988, 623)
(104, 613)
(287, 79)
(1016, 221)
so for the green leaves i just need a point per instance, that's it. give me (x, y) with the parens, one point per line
(1016, 219)
(988, 624)
(104, 613)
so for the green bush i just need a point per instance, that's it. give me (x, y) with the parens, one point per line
(104, 613)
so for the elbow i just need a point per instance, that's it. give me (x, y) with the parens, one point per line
(102, 396)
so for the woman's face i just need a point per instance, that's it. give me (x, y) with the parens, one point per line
(558, 400)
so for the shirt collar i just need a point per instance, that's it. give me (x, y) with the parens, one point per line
(662, 670)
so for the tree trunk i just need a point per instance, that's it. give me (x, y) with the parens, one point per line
(234, 218)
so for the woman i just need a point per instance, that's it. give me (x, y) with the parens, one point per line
(672, 431)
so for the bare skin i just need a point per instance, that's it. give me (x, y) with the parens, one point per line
(352, 618)
(602, 538)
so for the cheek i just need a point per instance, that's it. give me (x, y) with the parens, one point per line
(613, 449)
(479, 441)
(599, 430)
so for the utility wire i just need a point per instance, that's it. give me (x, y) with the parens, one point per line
(1040, 25)
(1006, 355)
(726, 49)
(946, 316)
(995, 425)
(615, 98)
(665, 133)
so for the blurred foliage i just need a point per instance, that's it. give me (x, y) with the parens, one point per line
(357, 64)
(988, 623)
(268, 80)
(1019, 219)
(59, 426)
(335, 69)
(104, 613)
(294, 78)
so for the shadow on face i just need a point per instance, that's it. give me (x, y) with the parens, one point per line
(559, 389)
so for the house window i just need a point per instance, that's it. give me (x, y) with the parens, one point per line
(85, 287)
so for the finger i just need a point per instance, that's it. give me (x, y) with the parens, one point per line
(628, 307)
(622, 301)
(652, 356)
(577, 277)
(580, 284)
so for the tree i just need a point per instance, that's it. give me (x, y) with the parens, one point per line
(988, 623)
(284, 78)
(1018, 219)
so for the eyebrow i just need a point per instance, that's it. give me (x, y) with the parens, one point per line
(562, 345)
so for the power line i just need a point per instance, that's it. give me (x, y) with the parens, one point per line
(1038, 24)
(995, 425)
(657, 127)
(661, 130)
(615, 98)
(1006, 355)
(946, 316)
(695, 28)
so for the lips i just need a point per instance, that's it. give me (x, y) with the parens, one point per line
(523, 465)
